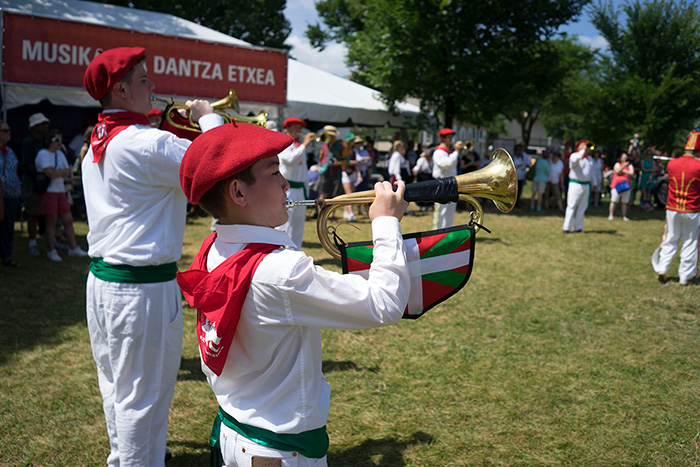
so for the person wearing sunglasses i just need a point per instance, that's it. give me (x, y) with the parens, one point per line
(53, 203)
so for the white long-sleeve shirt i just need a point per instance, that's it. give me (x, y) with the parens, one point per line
(272, 378)
(581, 166)
(444, 164)
(293, 163)
(396, 163)
(136, 208)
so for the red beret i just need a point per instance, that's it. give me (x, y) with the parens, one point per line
(225, 151)
(579, 142)
(446, 132)
(693, 143)
(294, 121)
(105, 70)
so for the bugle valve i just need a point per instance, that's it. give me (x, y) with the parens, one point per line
(496, 181)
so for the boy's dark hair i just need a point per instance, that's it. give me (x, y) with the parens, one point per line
(213, 200)
(107, 99)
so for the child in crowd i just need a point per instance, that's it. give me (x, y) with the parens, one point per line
(261, 304)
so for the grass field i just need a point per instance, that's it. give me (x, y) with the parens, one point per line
(562, 350)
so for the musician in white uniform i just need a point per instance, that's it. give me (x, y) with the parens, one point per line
(136, 214)
(294, 168)
(580, 176)
(445, 165)
(261, 345)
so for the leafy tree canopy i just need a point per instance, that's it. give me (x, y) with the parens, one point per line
(259, 22)
(461, 58)
(648, 82)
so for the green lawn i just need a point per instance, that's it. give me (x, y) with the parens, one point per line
(562, 350)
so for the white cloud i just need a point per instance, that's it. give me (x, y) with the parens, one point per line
(597, 42)
(332, 59)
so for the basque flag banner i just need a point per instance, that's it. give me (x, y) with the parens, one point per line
(440, 263)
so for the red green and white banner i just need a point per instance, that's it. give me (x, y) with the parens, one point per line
(440, 263)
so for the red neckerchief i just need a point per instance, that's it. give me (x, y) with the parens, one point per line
(108, 126)
(444, 147)
(218, 297)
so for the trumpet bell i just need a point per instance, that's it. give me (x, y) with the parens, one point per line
(496, 181)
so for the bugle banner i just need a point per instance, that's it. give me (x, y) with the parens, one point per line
(439, 261)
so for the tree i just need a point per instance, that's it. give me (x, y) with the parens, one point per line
(259, 22)
(647, 83)
(540, 78)
(457, 56)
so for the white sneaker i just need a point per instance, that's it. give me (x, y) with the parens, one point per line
(53, 256)
(626, 219)
(77, 251)
(610, 218)
(33, 250)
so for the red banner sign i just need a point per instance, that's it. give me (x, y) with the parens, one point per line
(54, 52)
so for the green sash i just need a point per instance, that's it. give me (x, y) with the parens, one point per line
(298, 185)
(580, 183)
(312, 443)
(126, 274)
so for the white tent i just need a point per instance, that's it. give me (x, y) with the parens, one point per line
(312, 94)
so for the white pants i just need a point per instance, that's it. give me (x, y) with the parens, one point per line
(576, 205)
(136, 336)
(679, 225)
(297, 216)
(444, 215)
(238, 451)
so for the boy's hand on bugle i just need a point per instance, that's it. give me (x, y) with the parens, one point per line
(388, 202)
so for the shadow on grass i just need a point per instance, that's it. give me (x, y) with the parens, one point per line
(329, 366)
(191, 370)
(40, 298)
(385, 452)
(197, 453)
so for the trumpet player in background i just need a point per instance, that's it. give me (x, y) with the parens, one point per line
(136, 214)
(294, 169)
(580, 176)
(445, 165)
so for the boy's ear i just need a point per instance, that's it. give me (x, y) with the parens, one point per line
(237, 192)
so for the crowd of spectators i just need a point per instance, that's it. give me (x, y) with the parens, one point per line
(38, 188)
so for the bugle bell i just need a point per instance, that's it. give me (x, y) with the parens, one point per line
(496, 181)
(323, 138)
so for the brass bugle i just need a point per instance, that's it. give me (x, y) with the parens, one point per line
(496, 181)
(323, 138)
(171, 113)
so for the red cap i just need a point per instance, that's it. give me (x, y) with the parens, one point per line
(446, 132)
(224, 151)
(105, 70)
(294, 121)
(579, 142)
(154, 113)
(693, 143)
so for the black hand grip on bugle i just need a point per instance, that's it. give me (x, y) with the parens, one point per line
(441, 190)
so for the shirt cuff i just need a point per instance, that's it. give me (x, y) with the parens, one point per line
(209, 121)
(385, 227)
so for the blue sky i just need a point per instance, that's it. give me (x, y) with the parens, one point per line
(300, 13)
